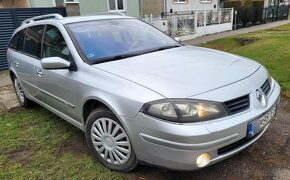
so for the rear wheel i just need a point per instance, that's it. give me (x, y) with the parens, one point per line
(23, 100)
(109, 142)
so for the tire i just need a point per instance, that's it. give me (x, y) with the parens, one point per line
(109, 142)
(23, 100)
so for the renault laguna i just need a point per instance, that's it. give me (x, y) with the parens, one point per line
(139, 95)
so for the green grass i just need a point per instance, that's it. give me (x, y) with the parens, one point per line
(272, 49)
(32, 148)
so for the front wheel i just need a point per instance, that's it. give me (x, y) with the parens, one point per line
(109, 141)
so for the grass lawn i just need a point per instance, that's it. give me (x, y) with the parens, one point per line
(269, 47)
(36, 144)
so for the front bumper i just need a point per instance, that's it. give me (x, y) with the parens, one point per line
(177, 146)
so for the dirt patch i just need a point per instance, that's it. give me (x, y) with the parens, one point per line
(246, 40)
(74, 144)
(2, 107)
(8, 97)
(21, 155)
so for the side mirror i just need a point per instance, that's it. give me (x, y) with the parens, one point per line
(54, 63)
(177, 39)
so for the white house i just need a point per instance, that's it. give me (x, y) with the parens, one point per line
(189, 5)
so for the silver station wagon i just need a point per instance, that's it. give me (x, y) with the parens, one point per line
(139, 95)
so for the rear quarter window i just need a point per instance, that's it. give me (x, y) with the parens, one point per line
(14, 41)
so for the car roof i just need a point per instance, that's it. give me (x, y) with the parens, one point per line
(67, 20)
(45, 19)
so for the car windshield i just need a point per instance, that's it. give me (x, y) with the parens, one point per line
(107, 40)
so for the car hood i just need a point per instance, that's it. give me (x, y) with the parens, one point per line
(182, 72)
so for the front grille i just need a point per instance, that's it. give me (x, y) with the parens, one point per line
(238, 105)
(266, 87)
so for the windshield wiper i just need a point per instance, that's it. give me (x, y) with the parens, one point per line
(123, 56)
(163, 48)
(116, 57)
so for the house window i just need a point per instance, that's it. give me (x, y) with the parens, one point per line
(179, 1)
(116, 5)
(60, 3)
(205, 1)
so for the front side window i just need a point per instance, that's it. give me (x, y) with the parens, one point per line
(106, 40)
(54, 44)
(32, 41)
(116, 5)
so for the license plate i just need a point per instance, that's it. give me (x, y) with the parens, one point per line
(259, 124)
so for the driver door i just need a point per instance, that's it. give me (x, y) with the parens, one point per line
(57, 87)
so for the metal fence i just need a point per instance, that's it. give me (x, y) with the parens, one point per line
(11, 18)
(252, 16)
(187, 23)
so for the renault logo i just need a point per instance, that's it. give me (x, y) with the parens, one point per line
(260, 97)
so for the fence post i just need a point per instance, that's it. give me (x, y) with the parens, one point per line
(204, 22)
(232, 17)
(14, 18)
(195, 20)
(219, 13)
(174, 26)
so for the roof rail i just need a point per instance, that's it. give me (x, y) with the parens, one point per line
(38, 18)
(108, 13)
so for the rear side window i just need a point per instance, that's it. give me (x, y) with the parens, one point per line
(32, 42)
(54, 44)
(17, 41)
(21, 40)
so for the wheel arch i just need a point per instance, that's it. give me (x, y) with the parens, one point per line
(12, 74)
(92, 103)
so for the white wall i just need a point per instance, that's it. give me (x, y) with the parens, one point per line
(40, 3)
(191, 5)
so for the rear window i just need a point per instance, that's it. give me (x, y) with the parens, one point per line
(32, 43)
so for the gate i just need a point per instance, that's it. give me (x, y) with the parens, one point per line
(11, 18)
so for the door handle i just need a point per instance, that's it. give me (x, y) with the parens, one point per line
(39, 73)
(16, 64)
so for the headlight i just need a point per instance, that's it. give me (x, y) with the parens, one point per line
(184, 111)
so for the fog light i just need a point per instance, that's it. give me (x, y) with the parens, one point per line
(203, 160)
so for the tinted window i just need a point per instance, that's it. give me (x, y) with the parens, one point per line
(21, 40)
(14, 40)
(54, 44)
(32, 43)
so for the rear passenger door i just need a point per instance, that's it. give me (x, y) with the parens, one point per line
(27, 44)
